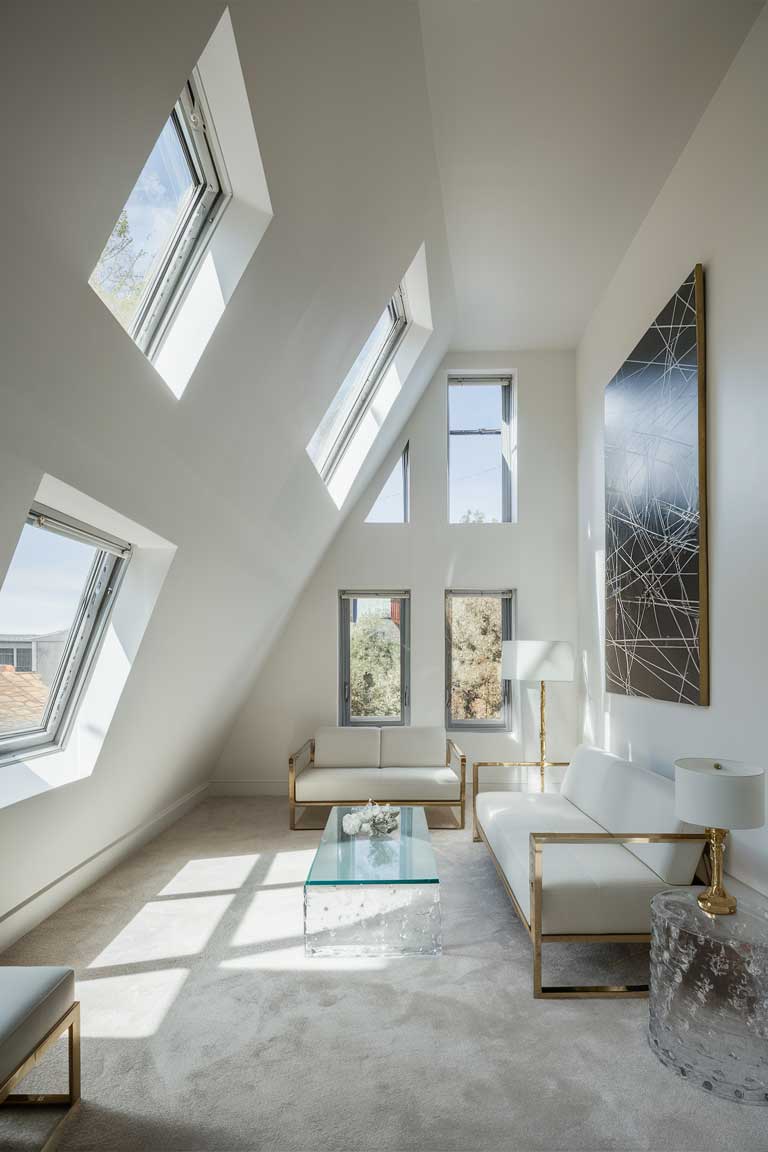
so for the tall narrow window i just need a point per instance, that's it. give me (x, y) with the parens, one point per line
(481, 450)
(475, 625)
(54, 605)
(161, 234)
(374, 651)
(392, 505)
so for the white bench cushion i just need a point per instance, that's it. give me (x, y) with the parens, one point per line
(417, 747)
(624, 797)
(353, 785)
(347, 747)
(594, 888)
(32, 1000)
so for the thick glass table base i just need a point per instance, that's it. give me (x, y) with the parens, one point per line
(372, 920)
(709, 995)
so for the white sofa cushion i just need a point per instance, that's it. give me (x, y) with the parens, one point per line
(624, 797)
(347, 747)
(353, 785)
(32, 1000)
(415, 747)
(591, 888)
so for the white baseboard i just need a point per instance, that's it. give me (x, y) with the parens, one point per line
(250, 787)
(16, 922)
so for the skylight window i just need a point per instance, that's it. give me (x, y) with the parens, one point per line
(337, 429)
(162, 231)
(392, 503)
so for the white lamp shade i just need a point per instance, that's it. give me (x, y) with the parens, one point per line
(719, 793)
(536, 660)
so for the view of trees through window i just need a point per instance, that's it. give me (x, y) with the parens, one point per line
(475, 635)
(374, 657)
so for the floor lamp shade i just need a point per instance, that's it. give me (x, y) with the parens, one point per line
(537, 660)
(719, 793)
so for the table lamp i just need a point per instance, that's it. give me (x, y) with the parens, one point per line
(719, 795)
(540, 660)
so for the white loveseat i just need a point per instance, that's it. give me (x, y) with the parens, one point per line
(584, 863)
(398, 765)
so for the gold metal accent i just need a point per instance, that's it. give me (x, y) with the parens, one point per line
(451, 750)
(537, 841)
(69, 1022)
(505, 764)
(714, 900)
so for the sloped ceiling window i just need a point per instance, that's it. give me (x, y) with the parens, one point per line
(392, 503)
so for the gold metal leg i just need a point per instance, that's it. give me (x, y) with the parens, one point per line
(70, 1023)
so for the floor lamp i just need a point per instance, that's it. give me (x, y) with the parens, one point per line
(542, 660)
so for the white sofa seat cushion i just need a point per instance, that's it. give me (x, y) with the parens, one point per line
(591, 888)
(353, 785)
(32, 1000)
(624, 797)
(416, 747)
(356, 747)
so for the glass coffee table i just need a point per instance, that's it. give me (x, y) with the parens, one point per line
(373, 895)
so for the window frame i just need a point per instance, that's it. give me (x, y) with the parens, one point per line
(85, 636)
(508, 604)
(346, 720)
(508, 433)
(398, 310)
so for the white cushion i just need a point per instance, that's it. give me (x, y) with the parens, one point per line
(353, 785)
(590, 888)
(32, 1000)
(412, 747)
(347, 747)
(624, 797)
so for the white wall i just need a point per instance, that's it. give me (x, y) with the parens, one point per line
(712, 209)
(297, 687)
(339, 105)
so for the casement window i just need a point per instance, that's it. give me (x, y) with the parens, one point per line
(392, 505)
(162, 232)
(374, 658)
(482, 450)
(476, 623)
(350, 425)
(58, 594)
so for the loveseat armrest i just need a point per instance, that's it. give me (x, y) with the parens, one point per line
(452, 751)
(293, 772)
(476, 766)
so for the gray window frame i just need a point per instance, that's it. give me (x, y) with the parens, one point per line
(508, 607)
(508, 433)
(85, 637)
(346, 720)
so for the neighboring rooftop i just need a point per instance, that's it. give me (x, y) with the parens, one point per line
(23, 696)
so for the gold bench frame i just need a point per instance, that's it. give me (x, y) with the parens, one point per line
(451, 750)
(69, 1022)
(537, 840)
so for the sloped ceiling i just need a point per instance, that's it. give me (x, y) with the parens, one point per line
(556, 124)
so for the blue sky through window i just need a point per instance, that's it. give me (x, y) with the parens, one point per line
(44, 583)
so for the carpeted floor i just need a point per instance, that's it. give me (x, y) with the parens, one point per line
(204, 1026)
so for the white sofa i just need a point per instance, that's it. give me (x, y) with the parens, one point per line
(578, 864)
(397, 764)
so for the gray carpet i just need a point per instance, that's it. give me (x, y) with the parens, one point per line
(204, 1026)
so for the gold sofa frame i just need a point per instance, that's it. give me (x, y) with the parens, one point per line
(538, 938)
(69, 1022)
(451, 750)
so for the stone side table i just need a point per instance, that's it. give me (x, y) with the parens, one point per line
(709, 994)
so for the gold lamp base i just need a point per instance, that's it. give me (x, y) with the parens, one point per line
(714, 900)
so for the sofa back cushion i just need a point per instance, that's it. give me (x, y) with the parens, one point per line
(347, 747)
(405, 747)
(624, 797)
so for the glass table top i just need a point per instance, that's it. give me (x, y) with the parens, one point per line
(403, 857)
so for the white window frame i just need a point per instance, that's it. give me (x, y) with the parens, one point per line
(85, 636)
(346, 719)
(508, 434)
(366, 394)
(504, 724)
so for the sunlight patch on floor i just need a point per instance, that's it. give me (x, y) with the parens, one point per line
(213, 874)
(163, 929)
(128, 1007)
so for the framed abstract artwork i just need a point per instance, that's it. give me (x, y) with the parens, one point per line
(656, 609)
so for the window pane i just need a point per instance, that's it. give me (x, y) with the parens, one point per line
(476, 633)
(374, 656)
(145, 226)
(38, 602)
(475, 479)
(390, 503)
(473, 406)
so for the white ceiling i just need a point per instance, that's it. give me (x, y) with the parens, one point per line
(556, 123)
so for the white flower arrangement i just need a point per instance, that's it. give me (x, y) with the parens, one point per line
(373, 820)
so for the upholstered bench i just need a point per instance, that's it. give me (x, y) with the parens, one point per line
(37, 1005)
(583, 864)
(396, 765)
